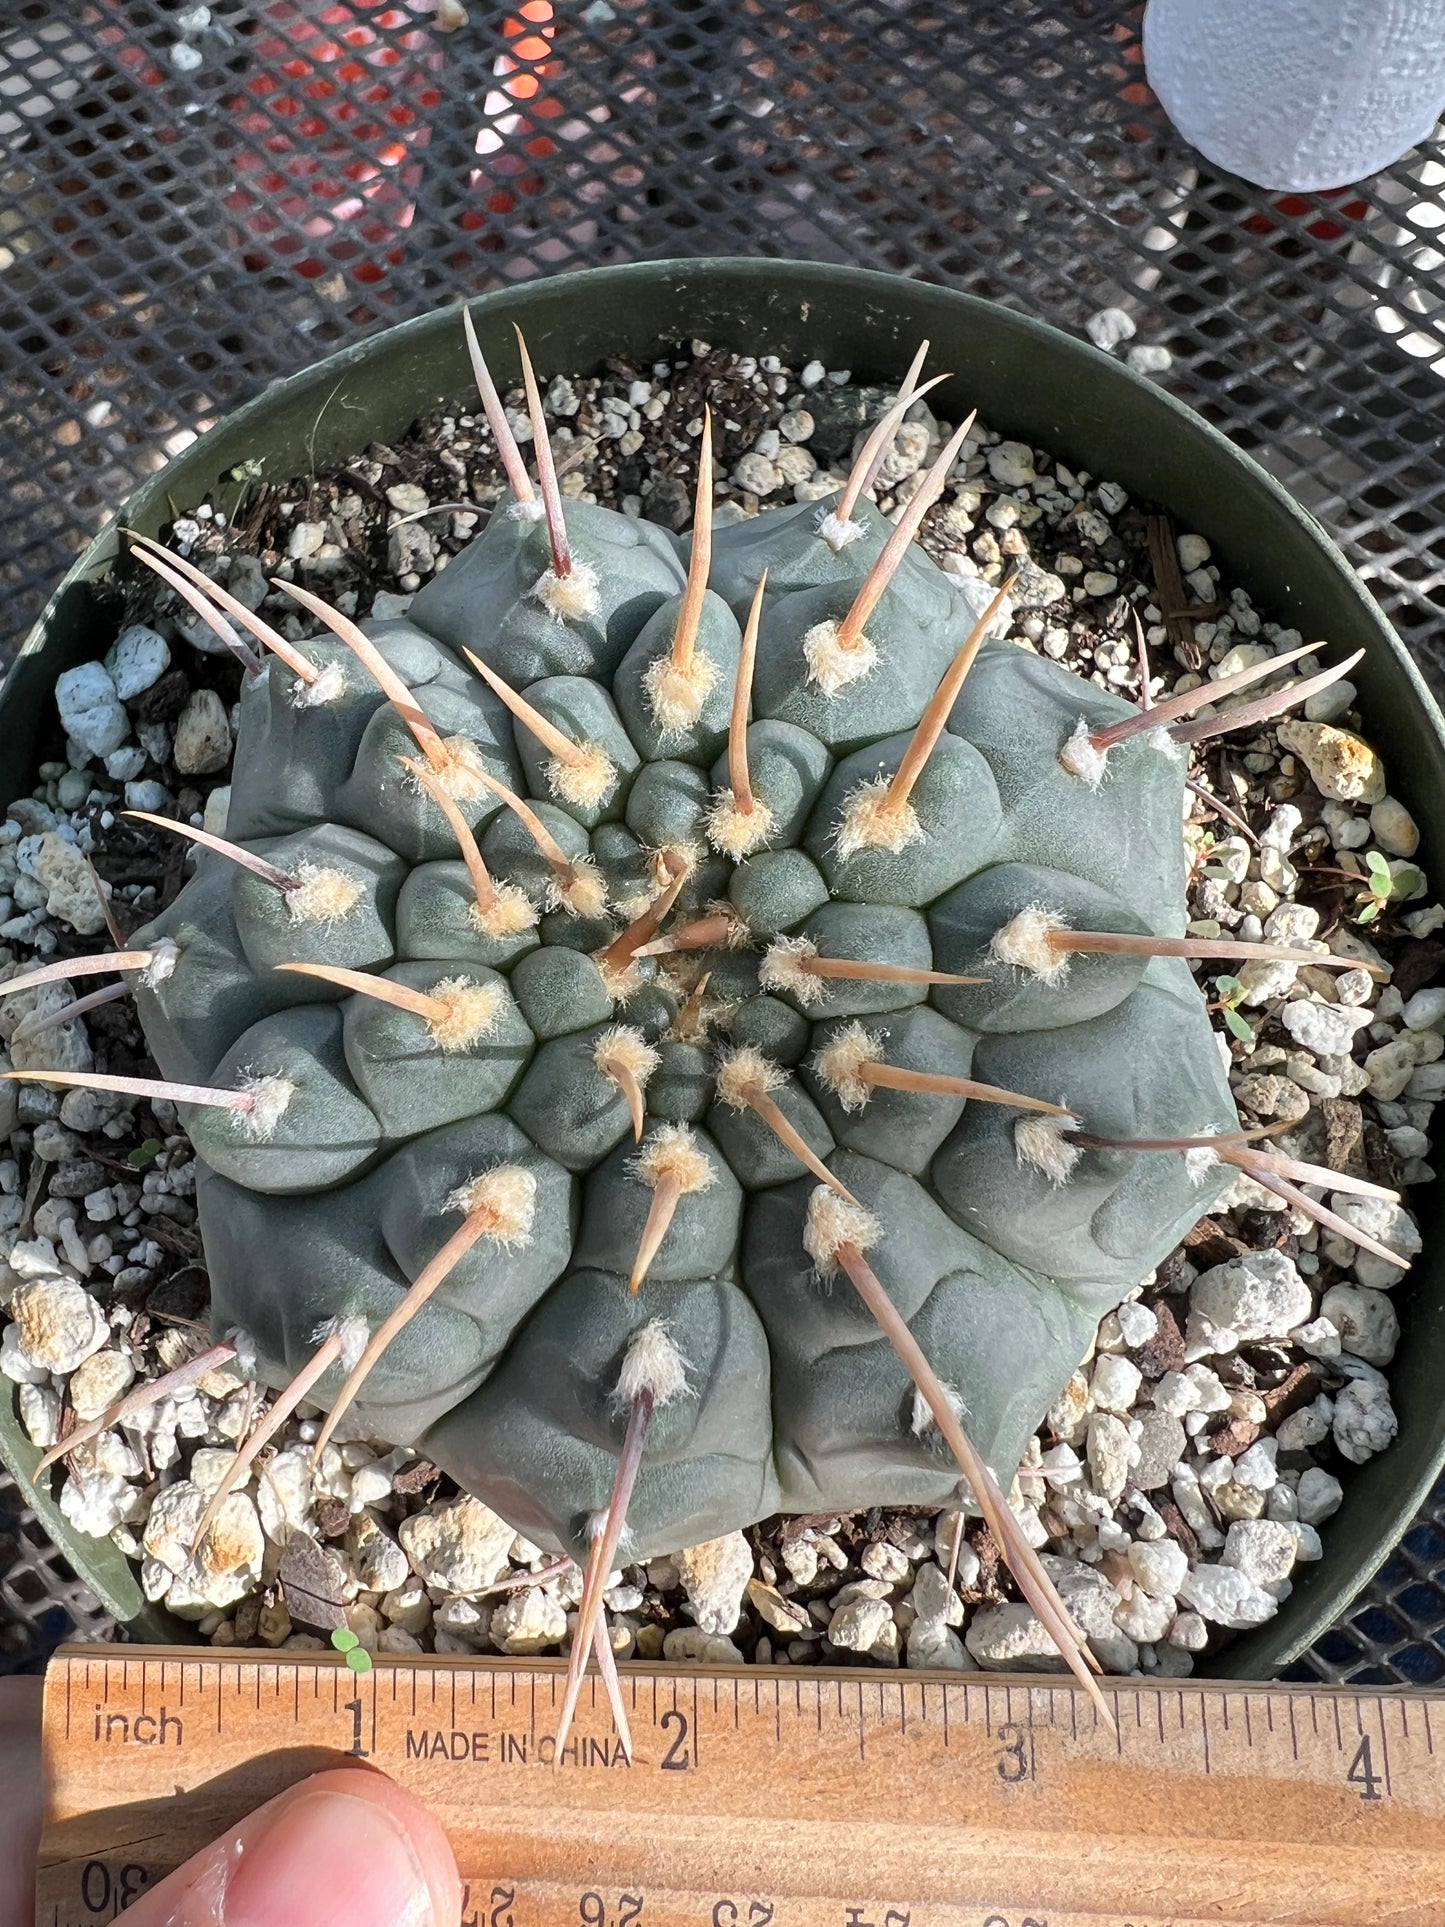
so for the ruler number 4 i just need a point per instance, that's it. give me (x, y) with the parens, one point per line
(1362, 1772)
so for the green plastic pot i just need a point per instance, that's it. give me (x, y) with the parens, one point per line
(1027, 380)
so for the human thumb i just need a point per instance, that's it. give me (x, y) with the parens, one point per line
(348, 1848)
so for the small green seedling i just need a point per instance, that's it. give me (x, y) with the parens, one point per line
(1231, 995)
(351, 1650)
(1384, 886)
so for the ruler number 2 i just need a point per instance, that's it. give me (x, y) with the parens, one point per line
(678, 1757)
(1362, 1772)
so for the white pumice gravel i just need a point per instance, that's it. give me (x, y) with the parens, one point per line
(1198, 1454)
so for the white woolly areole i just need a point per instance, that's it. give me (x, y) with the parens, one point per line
(460, 774)
(652, 1363)
(835, 532)
(468, 1011)
(622, 1047)
(1161, 740)
(245, 1346)
(676, 695)
(672, 1153)
(869, 823)
(785, 967)
(923, 1422)
(323, 894)
(269, 1097)
(1080, 758)
(1199, 1161)
(354, 1334)
(620, 982)
(568, 598)
(833, 664)
(582, 892)
(165, 955)
(508, 911)
(585, 780)
(1024, 941)
(508, 1195)
(737, 833)
(327, 686)
(532, 511)
(745, 1074)
(833, 1222)
(1039, 1142)
(839, 1064)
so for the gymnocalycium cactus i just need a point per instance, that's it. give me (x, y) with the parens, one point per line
(559, 1046)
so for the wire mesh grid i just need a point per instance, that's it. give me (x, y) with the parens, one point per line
(197, 198)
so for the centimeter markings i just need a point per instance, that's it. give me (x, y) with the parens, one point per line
(774, 1798)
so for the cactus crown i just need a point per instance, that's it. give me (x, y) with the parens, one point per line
(607, 959)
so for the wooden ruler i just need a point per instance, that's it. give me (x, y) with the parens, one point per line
(788, 1797)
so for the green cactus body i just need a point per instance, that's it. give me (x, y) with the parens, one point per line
(334, 1196)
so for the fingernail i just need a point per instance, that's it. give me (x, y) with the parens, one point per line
(328, 1858)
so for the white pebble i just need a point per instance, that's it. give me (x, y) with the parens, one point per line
(1115, 1383)
(1011, 464)
(1160, 1566)
(1109, 328)
(203, 735)
(1366, 1320)
(1426, 1009)
(57, 1323)
(1259, 1295)
(1263, 1550)
(1365, 1421)
(136, 660)
(1328, 705)
(714, 1575)
(1396, 831)
(1326, 1029)
(1223, 1595)
(1320, 1495)
(90, 709)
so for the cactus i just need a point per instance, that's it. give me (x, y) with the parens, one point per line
(558, 1043)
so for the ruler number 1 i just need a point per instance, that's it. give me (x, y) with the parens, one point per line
(356, 1750)
(1362, 1772)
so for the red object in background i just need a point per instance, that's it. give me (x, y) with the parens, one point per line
(512, 137)
(334, 114)
(1325, 227)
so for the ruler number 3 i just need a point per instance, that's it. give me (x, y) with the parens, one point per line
(1016, 1753)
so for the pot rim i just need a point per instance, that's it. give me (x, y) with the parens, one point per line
(783, 293)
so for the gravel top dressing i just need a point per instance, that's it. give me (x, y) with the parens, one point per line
(1197, 1454)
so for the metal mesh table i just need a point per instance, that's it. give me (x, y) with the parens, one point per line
(197, 198)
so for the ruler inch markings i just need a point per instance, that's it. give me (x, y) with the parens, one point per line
(878, 1810)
